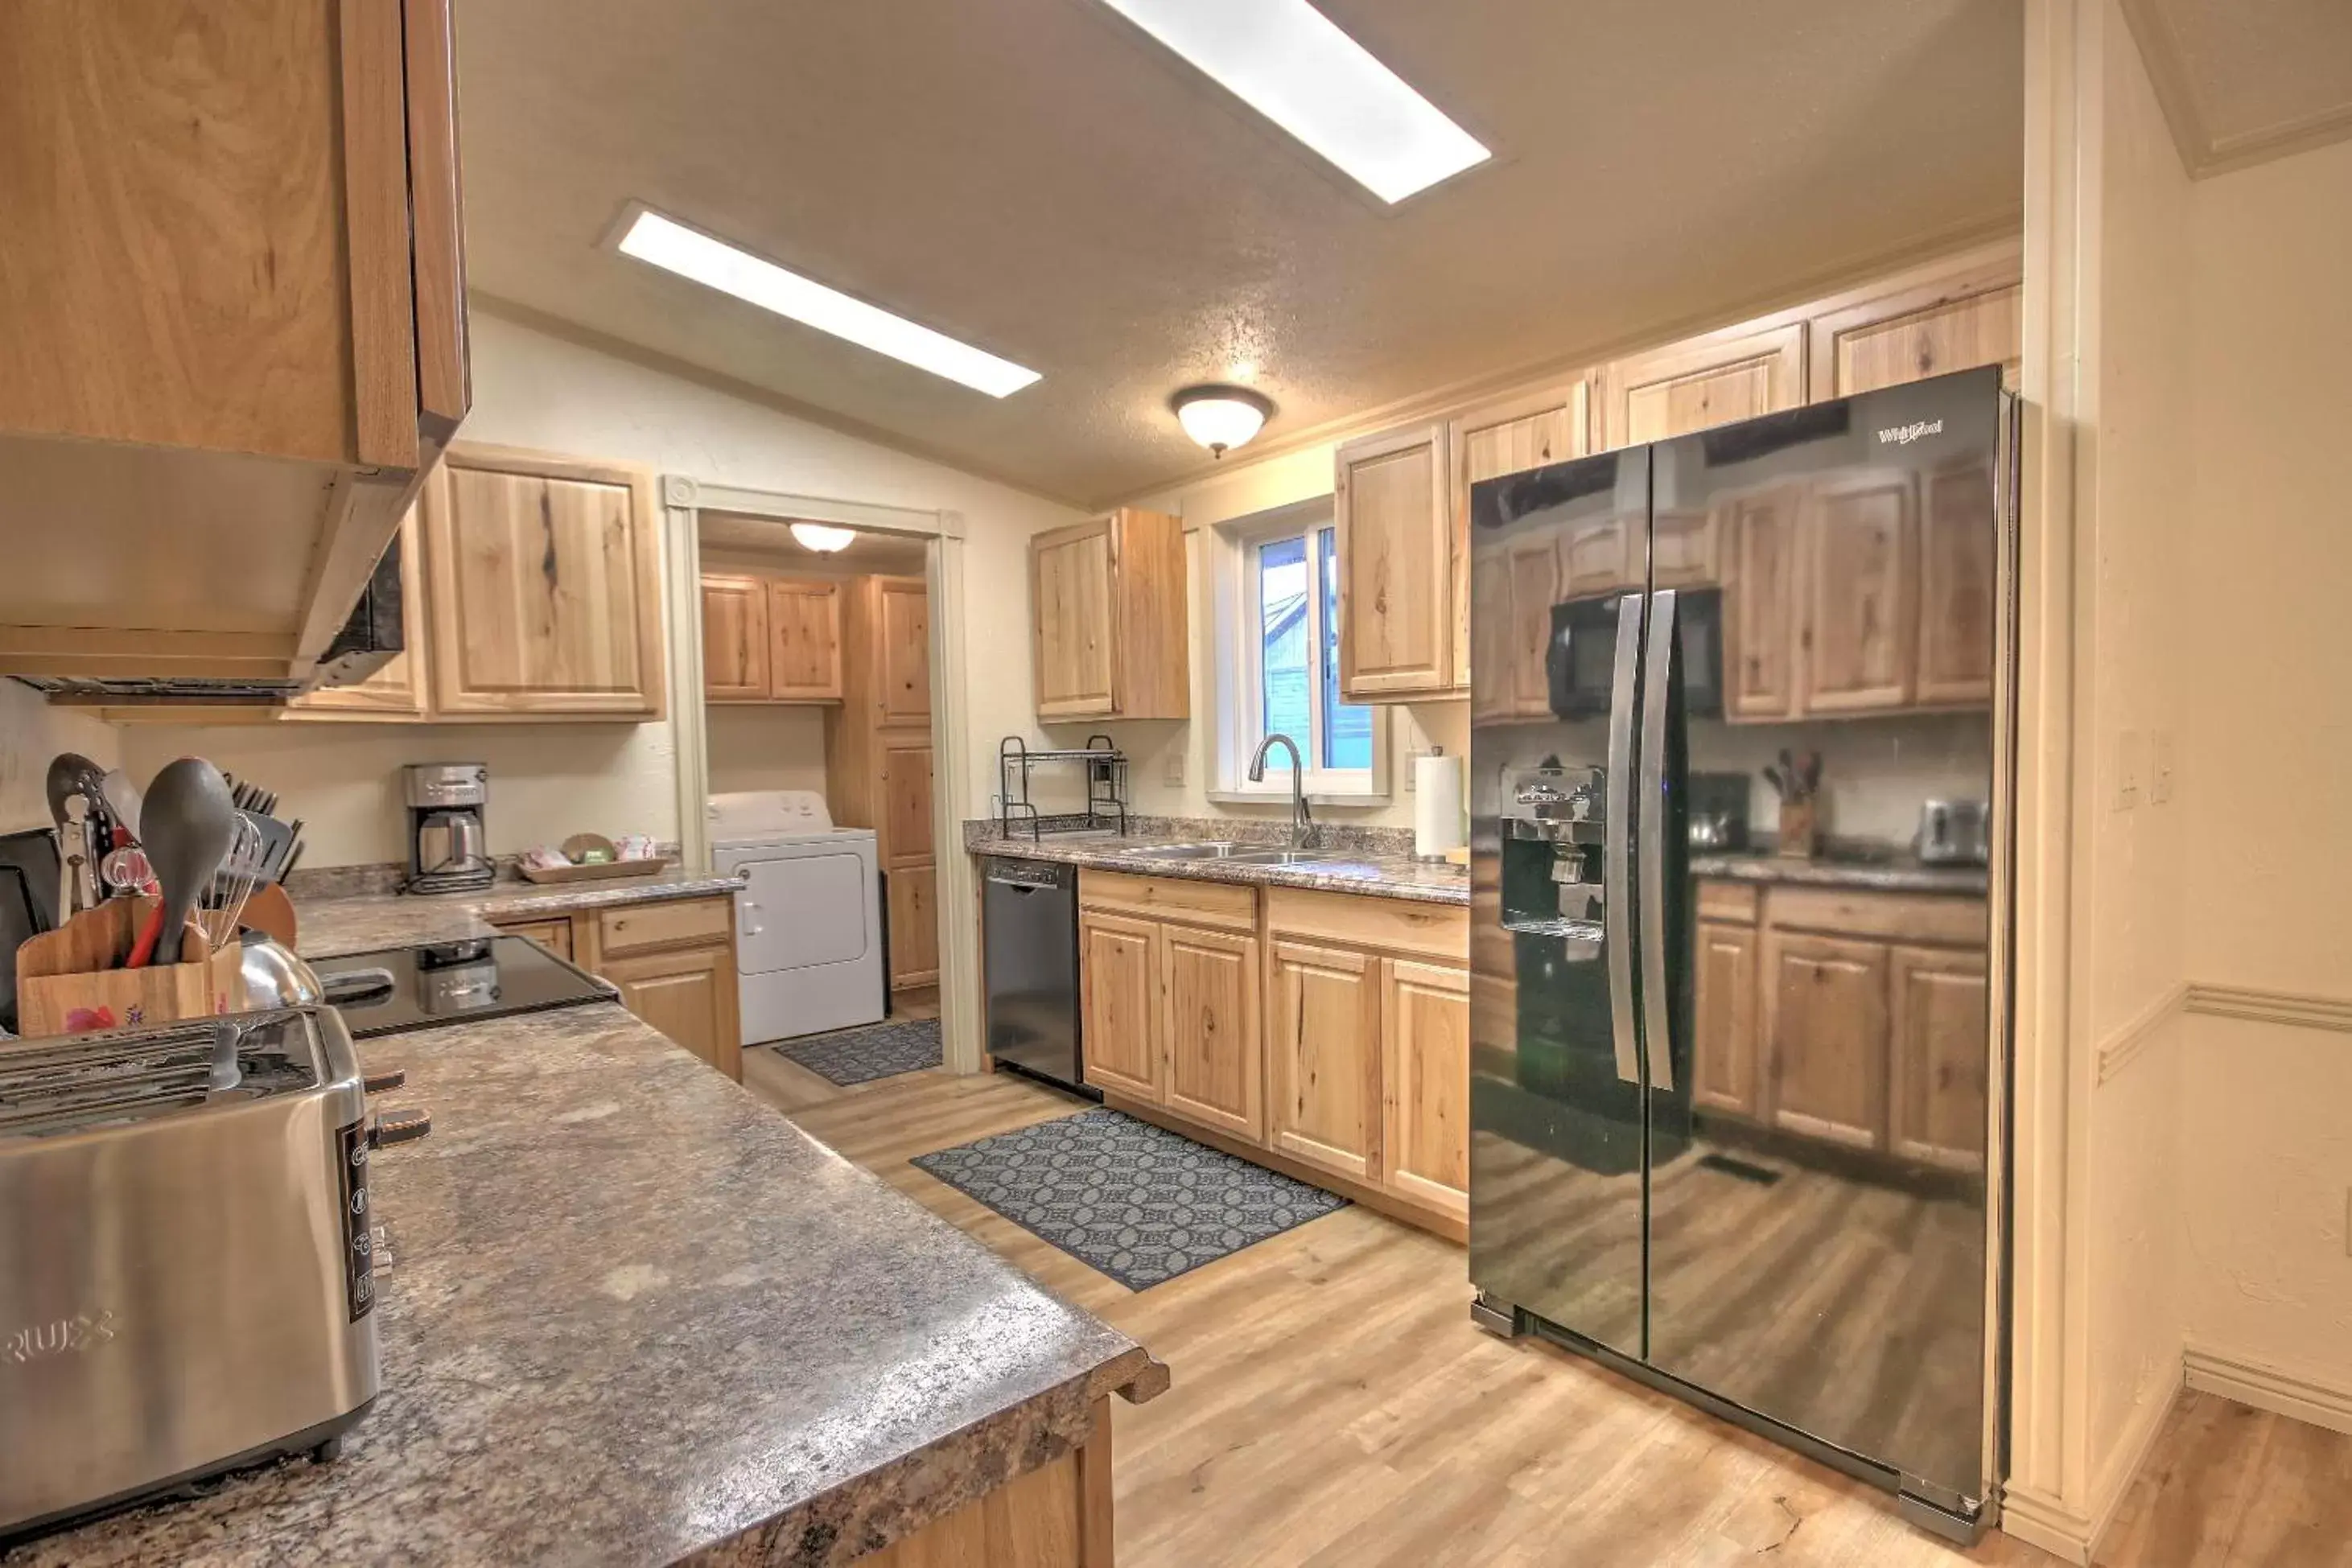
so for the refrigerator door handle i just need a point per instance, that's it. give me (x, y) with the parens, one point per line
(1650, 832)
(1616, 871)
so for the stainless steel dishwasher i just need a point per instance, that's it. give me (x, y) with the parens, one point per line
(1029, 919)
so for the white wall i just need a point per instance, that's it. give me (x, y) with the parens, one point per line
(2130, 948)
(754, 746)
(2267, 764)
(535, 390)
(31, 733)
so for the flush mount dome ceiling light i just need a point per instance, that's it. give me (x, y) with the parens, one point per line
(822, 539)
(1221, 417)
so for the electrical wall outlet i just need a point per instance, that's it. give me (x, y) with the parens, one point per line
(2159, 769)
(1172, 769)
(2129, 765)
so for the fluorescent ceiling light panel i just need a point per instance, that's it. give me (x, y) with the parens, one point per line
(715, 264)
(1289, 62)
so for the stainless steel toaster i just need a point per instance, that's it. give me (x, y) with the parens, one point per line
(1953, 832)
(186, 1267)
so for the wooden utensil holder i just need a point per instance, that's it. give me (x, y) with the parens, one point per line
(1799, 828)
(67, 981)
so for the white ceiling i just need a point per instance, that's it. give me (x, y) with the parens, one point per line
(1039, 178)
(2243, 80)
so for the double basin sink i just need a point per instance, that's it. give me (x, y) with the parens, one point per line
(1239, 853)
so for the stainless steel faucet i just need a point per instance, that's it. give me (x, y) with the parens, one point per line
(1304, 833)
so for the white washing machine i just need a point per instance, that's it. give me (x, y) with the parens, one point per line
(808, 923)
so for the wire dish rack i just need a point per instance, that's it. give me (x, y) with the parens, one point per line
(1106, 768)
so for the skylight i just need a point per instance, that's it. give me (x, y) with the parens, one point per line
(1289, 62)
(715, 264)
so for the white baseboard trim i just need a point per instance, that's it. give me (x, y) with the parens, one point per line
(2321, 1402)
(2069, 1533)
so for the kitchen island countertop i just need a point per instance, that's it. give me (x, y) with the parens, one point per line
(358, 923)
(630, 1314)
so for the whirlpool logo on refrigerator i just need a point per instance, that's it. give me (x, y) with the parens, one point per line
(58, 1336)
(1905, 434)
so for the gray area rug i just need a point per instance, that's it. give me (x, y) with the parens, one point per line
(1138, 1202)
(862, 1055)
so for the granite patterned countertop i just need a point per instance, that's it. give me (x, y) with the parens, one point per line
(358, 922)
(1378, 872)
(1897, 874)
(632, 1315)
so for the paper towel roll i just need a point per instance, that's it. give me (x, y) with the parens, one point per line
(1437, 820)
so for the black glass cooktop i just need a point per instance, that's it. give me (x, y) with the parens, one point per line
(400, 989)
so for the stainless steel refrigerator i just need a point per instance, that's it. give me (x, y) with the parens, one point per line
(1738, 1008)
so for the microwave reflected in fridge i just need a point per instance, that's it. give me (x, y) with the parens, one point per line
(1581, 654)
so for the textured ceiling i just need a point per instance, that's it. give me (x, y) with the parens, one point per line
(2242, 80)
(1037, 177)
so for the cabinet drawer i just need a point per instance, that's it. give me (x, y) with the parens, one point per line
(646, 925)
(1396, 925)
(555, 935)
(1197, 902)
(1893, 916)
(1727, 901)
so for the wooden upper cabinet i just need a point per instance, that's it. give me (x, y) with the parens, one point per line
(1426, 1083)
(804, 637)
(734, 639)
(1859, 638)
(233, 323)
(1967, 315)
(1959, 582)
(1600, 557)
(1686, 548)
(904, 659)
(396, 691)
(1713, 380)
(1507, 437)
(1391, 498)
(1759, 622)
(1209, 1022)
(906, 830)
(1109, 619)
(544, 574)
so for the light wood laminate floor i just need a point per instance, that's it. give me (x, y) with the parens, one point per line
(1333, 1406)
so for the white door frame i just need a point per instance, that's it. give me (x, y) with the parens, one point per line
(685, 500)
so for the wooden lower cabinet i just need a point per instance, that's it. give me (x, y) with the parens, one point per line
(1426, 1083)
(1936, 1058)
(690, 995)
(1055, 1516)
(1724, 1075)
(555, 935)
(914, 925)
(1838, 1018)
(1324, 1035)
(1118, 970)
(1214, 1067)
(1324, 1058)
(673, 961)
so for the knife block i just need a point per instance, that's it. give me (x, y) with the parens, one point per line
(1800, 827)
(67, 982)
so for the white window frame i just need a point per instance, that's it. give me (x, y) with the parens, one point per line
(1238, 689)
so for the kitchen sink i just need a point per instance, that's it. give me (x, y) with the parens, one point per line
(1283, 857)
(1210, 850)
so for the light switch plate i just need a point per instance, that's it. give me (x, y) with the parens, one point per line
(2160, 770)
(1171, 771)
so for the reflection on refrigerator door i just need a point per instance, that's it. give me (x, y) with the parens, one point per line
(1735, 1038)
